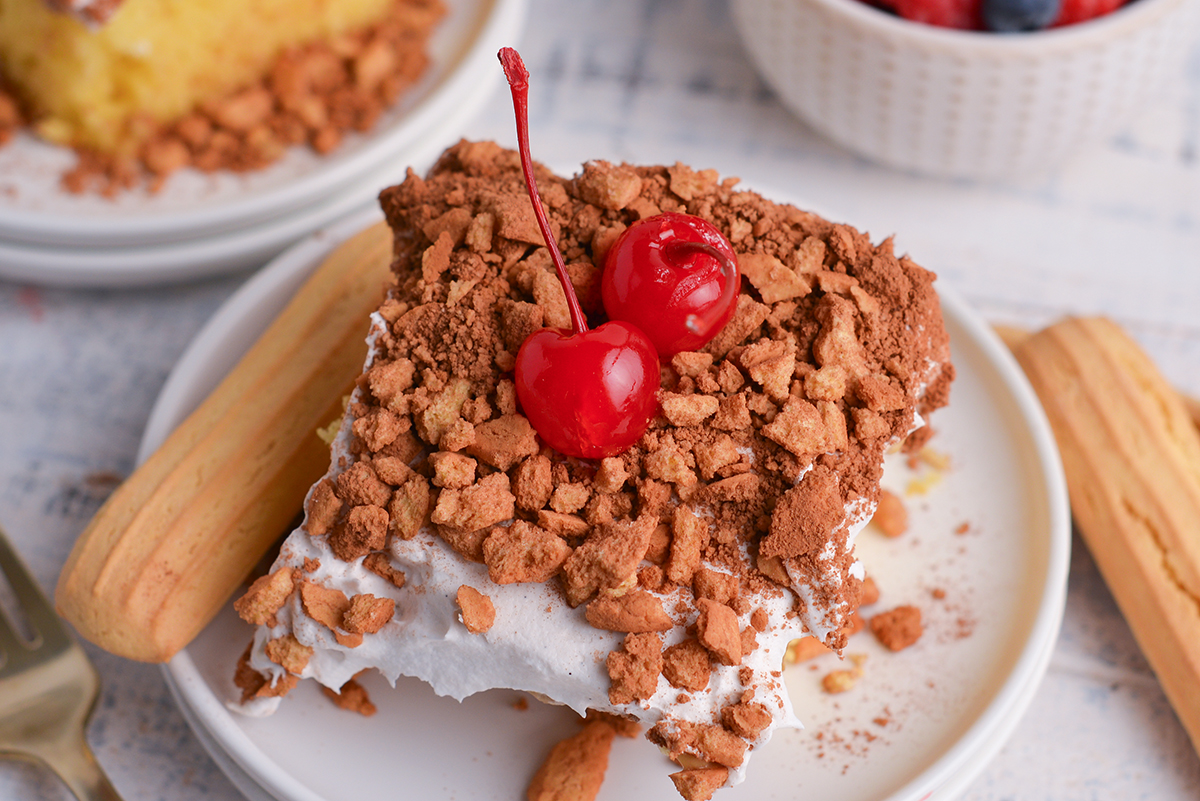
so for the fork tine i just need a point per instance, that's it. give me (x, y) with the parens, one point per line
(38, 611)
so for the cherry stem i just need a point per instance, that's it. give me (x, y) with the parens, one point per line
(518, 82)
(677, 250)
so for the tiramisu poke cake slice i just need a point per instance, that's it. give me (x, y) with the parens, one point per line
(624, 491)
(149, 86)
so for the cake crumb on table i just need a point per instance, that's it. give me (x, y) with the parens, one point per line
(898, 628)
(352, 697)
(574, 769)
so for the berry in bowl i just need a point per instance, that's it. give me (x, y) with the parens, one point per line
(927, 87)
(999, 16)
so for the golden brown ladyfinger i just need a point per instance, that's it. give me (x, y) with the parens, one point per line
(1132, 460)
(180, 534)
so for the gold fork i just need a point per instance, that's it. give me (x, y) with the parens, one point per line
(48, 689)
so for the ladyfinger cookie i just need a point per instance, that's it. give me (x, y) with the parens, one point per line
(1132, 459)
(176, 539)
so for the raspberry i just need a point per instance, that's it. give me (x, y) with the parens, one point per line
(961, 14)
(1073, 11)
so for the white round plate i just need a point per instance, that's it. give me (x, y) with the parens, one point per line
(215, 255)
(52, 236)
(985, 559)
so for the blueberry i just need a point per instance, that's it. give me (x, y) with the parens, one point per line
(1011, 16)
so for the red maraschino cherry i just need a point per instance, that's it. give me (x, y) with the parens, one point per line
(675, 277)
(588, 393)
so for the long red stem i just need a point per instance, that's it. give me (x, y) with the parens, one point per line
(518, 81)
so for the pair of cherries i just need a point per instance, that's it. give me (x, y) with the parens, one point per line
(670, 284)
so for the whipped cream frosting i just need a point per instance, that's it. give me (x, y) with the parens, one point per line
(538, 643)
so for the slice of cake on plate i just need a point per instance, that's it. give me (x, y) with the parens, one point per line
(211, 83)
(662, 583)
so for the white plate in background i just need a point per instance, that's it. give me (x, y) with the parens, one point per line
(201, 224)
(241, 249)
(919, 724)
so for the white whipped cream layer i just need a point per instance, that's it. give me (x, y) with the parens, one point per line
(538, 643)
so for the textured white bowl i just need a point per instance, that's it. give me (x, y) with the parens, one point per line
(963, 104)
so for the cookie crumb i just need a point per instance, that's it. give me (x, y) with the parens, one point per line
(699, 784)
(574, 769)
(265, 597)
(870, 592)
(804, 649)
(352, 697)
(523, 552)
(255, 685)
(478, 613)
(634, 668)
(890, 517)
(687, 665)
(898, 628)
(840, 681)
(367, 614)
(635, 611)
(719, 633)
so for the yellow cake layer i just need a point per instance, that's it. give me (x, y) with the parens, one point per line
(157, 59)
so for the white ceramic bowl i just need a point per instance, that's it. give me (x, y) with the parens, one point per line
(963, 104)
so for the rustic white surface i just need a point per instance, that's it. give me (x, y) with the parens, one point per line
(1114, 231)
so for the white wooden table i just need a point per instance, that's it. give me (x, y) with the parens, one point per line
(1114, 231)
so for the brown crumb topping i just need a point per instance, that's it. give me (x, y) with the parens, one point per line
(634, 668)
(765, 437)
(368, 614)
(699, 784)
(478, 613)
(265, 597)
(633, 611)
(710, 742)
(255, 685)
(289, 653)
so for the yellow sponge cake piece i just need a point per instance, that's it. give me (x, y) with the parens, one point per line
(106, 86)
